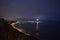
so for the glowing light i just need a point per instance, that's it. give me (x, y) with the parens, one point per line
(37, 26)
(17, 22)
(37, 19)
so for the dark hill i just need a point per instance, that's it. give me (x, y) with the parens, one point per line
(8, 33)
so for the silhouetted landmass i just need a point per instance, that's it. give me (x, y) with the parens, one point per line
(8, 33)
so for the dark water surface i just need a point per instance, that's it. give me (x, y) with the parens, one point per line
(48, 30)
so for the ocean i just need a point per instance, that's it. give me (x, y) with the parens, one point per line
(48, 30)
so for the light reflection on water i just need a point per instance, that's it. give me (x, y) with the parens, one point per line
(47, 30)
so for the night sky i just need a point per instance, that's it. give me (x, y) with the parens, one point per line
(12, 9)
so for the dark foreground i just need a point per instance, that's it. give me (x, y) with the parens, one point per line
(8, 33)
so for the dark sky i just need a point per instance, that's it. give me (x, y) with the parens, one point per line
(12, 9)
